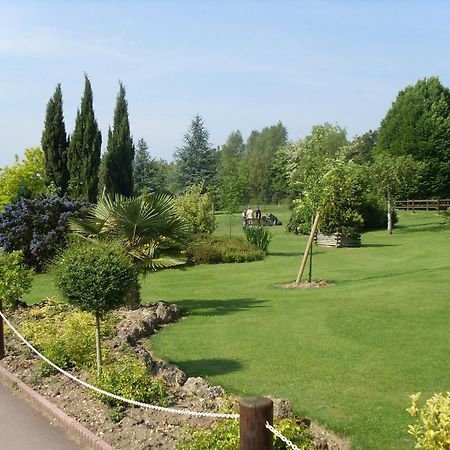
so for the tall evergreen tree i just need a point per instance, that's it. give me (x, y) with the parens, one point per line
(118, 162)
(418, 124)
(144, 169)
(54, 143)
(83, 157)
(196, 159)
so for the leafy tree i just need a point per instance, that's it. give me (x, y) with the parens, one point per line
(54, 143)
(83, 156)
(418, 124)
(148, 228)
(95, 277)
(196, 159)
(24, 179)
(118, 163)
(392, 176)
(360, 149)
(37, 227)
(230, 154)
(15, 280)
(195, 207)
(260, 153)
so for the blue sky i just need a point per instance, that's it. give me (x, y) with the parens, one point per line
(240, 65)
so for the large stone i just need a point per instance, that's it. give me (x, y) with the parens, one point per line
(282, 408)
(169, 373)
(199, 387)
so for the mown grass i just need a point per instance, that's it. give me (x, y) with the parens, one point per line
(347, 355)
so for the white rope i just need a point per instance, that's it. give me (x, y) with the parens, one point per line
(114, 396)
(283, 438)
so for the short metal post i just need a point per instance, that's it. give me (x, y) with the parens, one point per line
(2, 334)
(254, 413)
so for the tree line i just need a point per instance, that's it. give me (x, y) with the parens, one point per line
(255, 169)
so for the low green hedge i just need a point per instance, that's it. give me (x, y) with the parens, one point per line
(221, 249)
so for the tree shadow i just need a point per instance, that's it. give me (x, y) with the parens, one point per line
(378, 245)
(284, 253)
(384, 275)
(195, 307)
(421, 227)
(208, 367)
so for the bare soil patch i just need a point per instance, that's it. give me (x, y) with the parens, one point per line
(306, 284)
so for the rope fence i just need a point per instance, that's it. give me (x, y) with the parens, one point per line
(244, 403)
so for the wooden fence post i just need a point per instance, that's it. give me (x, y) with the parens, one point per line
(254, 413)
(2, 335)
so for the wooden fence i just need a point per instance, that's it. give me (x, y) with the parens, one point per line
(438, 204)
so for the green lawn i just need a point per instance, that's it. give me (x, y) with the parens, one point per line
(347, 355)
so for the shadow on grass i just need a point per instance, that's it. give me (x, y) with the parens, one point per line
(385, 275)
(284, 253)
(379, 245)
(208, 367)
(218, 307)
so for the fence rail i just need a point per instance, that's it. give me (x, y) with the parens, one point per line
(436, 204)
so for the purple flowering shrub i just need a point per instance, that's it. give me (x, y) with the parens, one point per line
(38, 227)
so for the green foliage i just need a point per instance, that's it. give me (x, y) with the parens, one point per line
(128, 377)
(418, 124)
(15, 280)
(117, 170)
(260, 237)
(224, 435)
(432, 427)
(147, 227)
(217, 249)
(258, 159)
(196, 159)
(23, 179)
(196, 209)
(95, 276)
(146, 176)
(62, 334)
(83, 154)
(54, 143)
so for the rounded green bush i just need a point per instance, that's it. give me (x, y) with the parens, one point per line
(95, 276)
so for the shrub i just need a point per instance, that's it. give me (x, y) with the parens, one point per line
(37, 227)
(15, 280)
(225, 436)
(128, 377)
(95, 276)
(260, 237)
(432, 427)
(197, 210)
(216, 250)
(63, 335)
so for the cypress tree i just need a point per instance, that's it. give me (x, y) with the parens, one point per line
(84, 150)
(118, 161)
(54, 143)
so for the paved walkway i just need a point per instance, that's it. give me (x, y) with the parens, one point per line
(23, 428)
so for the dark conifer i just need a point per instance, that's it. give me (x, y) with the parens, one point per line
(54, 143)
(84, 150)
(118, 161)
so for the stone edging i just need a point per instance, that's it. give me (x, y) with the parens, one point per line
(81, 432)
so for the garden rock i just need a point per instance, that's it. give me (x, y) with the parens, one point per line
(169, 373)
(282, 408)
(199, 387)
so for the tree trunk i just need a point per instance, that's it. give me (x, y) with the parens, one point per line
(389, 214)
(2, 336)
(307, 249)
(230, 225)
(97, 343)
(133, 299)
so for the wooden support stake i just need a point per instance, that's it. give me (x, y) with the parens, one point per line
(2, 335)
(307, 249)
(254, 413)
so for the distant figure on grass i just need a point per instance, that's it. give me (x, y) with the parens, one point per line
(244, 217)
(258, 215)
(249, 215)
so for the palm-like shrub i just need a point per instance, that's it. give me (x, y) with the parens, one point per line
(148, 227)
